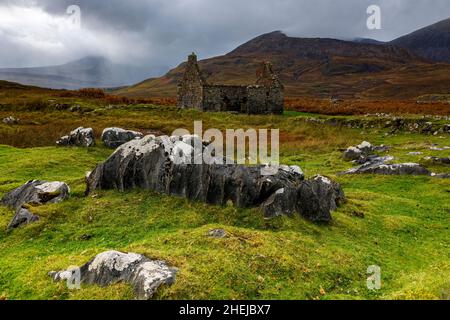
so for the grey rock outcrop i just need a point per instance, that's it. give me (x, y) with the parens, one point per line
(360, 152)
(22, 217)
(370, 163)
(395, 169)
(441, 175)
(115, 137)
(36, 192)
(446, 128)
(318, 197)
(111, 267)
(390, 122)
(380, 165)
(437, 160)
(163, 164)
(33, 193)
(352, 153)
(81, 137)
(281, 202)
(366, 148)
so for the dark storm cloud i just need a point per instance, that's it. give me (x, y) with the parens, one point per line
(161, 33)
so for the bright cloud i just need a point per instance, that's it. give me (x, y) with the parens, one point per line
(160, 33)
(51, 39)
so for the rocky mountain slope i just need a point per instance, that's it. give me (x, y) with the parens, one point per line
(432, 42)
(317, 67)
(408, 67)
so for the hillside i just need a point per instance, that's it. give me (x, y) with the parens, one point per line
(83, 73)
(432, 42)
(316, 67)
(396, 222)
(399, 223)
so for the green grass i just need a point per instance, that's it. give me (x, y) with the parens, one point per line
(399, 223)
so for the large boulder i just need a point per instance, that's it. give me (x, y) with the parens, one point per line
(22, 217)
(319, 196)
(81, 137)
(111, 267)
(164, 164)
(282, 202)
(36, 192)
(115, 137)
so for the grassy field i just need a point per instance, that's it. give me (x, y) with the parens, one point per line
(398, 223)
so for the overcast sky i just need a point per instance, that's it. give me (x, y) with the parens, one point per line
(160, 33)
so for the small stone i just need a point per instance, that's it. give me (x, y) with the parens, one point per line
(358, 214)
(86, 237)
(217, 233)
(10, 120)
(22, 217)
(75, 108)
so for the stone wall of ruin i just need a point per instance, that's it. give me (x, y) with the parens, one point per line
(263, 100)
(275, 100)
(256, 100)
(190, 89)
(224, 98)
(267, 96)
(274, 88)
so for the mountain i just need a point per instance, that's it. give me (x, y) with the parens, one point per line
(316, 67)
(87, 72)
(432, 42)
(361, 68)
(367, 40)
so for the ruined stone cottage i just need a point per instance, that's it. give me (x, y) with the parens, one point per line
(266, 96)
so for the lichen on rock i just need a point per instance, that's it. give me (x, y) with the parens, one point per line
(166, 165)
(81, 137)
(110, 267)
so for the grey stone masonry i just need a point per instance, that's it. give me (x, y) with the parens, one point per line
(266, 96)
